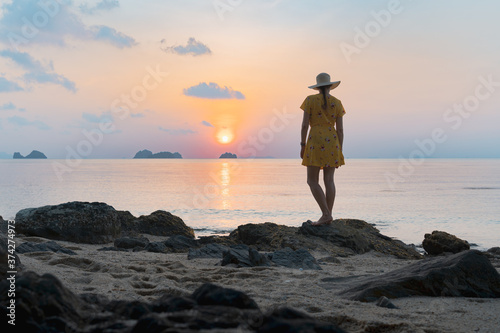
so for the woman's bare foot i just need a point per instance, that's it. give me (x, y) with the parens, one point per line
(325, 219)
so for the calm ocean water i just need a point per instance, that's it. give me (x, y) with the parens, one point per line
(460, 196)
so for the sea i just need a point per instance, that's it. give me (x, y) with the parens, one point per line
(402, 198)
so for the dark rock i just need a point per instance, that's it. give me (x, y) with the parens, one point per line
(51, 246)
(243, 256)
(3, 225)
(439, 242)
(293, 321)
(222, 240)
(228, 155)
(180, 243)
(465, 274)
(129, 309)
(157, 247)
(131, 242)
(79, 222)
(168, 303)
(295, 259)
(208, 251)
(494, 250)
(162, 223)
(343, 237)
(41, 298)
(384, 302)
(211, 294)
(338, 233)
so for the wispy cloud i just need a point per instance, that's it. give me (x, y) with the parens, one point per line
(206, 123)
(177, 131)
(36, 71)
(193, 47)
(23, 122)
(104, 5)
(63, 23)
(213, 91)
(7, 106)
(112, 36)
(137, 115)
(105, 117)
(8, 86)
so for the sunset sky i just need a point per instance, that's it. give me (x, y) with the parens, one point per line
(107, 78)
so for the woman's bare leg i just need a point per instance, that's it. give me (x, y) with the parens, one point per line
(328, 174)
(318, 194)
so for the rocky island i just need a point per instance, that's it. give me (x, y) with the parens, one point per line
(149, 154)
(33, 154)
(228, 155)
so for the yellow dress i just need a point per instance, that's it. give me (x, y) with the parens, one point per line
(322, 146)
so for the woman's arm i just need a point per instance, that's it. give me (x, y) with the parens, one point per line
(303, 132)
(340, 130)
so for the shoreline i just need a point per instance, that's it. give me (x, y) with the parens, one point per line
(145, 276)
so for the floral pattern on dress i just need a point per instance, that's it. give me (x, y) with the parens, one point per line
(322, 133)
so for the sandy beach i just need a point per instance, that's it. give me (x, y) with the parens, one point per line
(145, 276)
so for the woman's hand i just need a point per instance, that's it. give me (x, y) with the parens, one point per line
(302, 150)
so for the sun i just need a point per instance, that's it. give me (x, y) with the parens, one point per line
(224, 136)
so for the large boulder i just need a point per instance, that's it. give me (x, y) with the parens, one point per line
(465, 274)
(79, 222)
(161, 223)
(340, 233)
(440, 242)
(343, 237)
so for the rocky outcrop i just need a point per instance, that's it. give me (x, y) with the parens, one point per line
(343, 237)
(299, 259)
(43, 304)
(465, 274)
(79, 222)
(149, 154)
(243, 256)
(95, 223)
(228, 155)
(440, 242)
(33, 154)
(51, 246)
(212, 251)
(131, 242)
(161, 223)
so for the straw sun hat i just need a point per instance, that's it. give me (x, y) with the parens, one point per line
(323, 79)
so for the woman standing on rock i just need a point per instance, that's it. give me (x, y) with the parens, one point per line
(323, 148)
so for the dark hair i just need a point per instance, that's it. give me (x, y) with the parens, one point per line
(323, 91)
